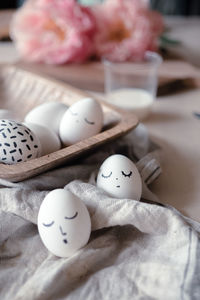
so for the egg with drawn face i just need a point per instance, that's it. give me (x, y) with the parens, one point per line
(63, 223)
(82, 120)
(119, 177)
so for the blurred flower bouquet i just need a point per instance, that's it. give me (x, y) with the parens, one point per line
(63, 31)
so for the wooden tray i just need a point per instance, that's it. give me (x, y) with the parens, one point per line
(90, 75)
(21, 90)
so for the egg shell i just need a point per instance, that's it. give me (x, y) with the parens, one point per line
(17, 142)
(47, 114)
(49, 140)
(64, 223)
(82, 120)
(119, 177)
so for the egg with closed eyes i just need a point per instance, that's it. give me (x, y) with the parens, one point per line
(119, 177)
(64, 223)
(82, 120)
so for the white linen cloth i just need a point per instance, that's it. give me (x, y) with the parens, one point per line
(137, 250)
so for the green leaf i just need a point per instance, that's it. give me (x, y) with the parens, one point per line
(89, 2)
(167, 41)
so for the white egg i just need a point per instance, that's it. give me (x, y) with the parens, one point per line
(7, 114)
(17, 142)
(47, 114)
(82, 120)
(64, 223)
(119, 177)
(49, 140)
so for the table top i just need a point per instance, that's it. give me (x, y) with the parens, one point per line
(172, 123)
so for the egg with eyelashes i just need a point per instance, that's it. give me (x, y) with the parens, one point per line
(119, 177)
(82, 120)
(64, 223)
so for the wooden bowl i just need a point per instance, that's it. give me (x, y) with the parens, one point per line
(20, 91)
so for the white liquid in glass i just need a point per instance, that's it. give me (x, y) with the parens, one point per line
(137, 100)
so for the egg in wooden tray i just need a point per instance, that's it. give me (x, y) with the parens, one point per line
(43, 108)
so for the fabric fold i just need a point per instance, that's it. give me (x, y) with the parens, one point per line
(137, 249)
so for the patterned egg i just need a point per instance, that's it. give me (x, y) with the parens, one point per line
(17, 142)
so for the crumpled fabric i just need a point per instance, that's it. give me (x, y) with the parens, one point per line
(137, 249)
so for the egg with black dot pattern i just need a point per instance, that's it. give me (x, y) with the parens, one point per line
(17, 142)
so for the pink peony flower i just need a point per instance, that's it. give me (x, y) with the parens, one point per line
(53, 31)
(126, 29)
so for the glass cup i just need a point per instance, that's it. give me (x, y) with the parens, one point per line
(132, 85)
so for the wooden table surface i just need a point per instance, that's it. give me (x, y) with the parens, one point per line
(172, 123)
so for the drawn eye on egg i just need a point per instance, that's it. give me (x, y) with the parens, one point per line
(85, 119)
(73, 113)
(106, 176)
(73, 217)
(66, 218)
(48, 224)
(127, 174)
(89, 122)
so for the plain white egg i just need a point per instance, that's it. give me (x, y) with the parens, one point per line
(17, 142)
(49, 140)
(47, 114)
(82, 120)
(119, 177)
(64, 223)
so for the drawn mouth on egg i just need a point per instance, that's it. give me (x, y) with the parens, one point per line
(118, 186)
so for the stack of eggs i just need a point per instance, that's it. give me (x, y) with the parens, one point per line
(63, 220)
(46, 128)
